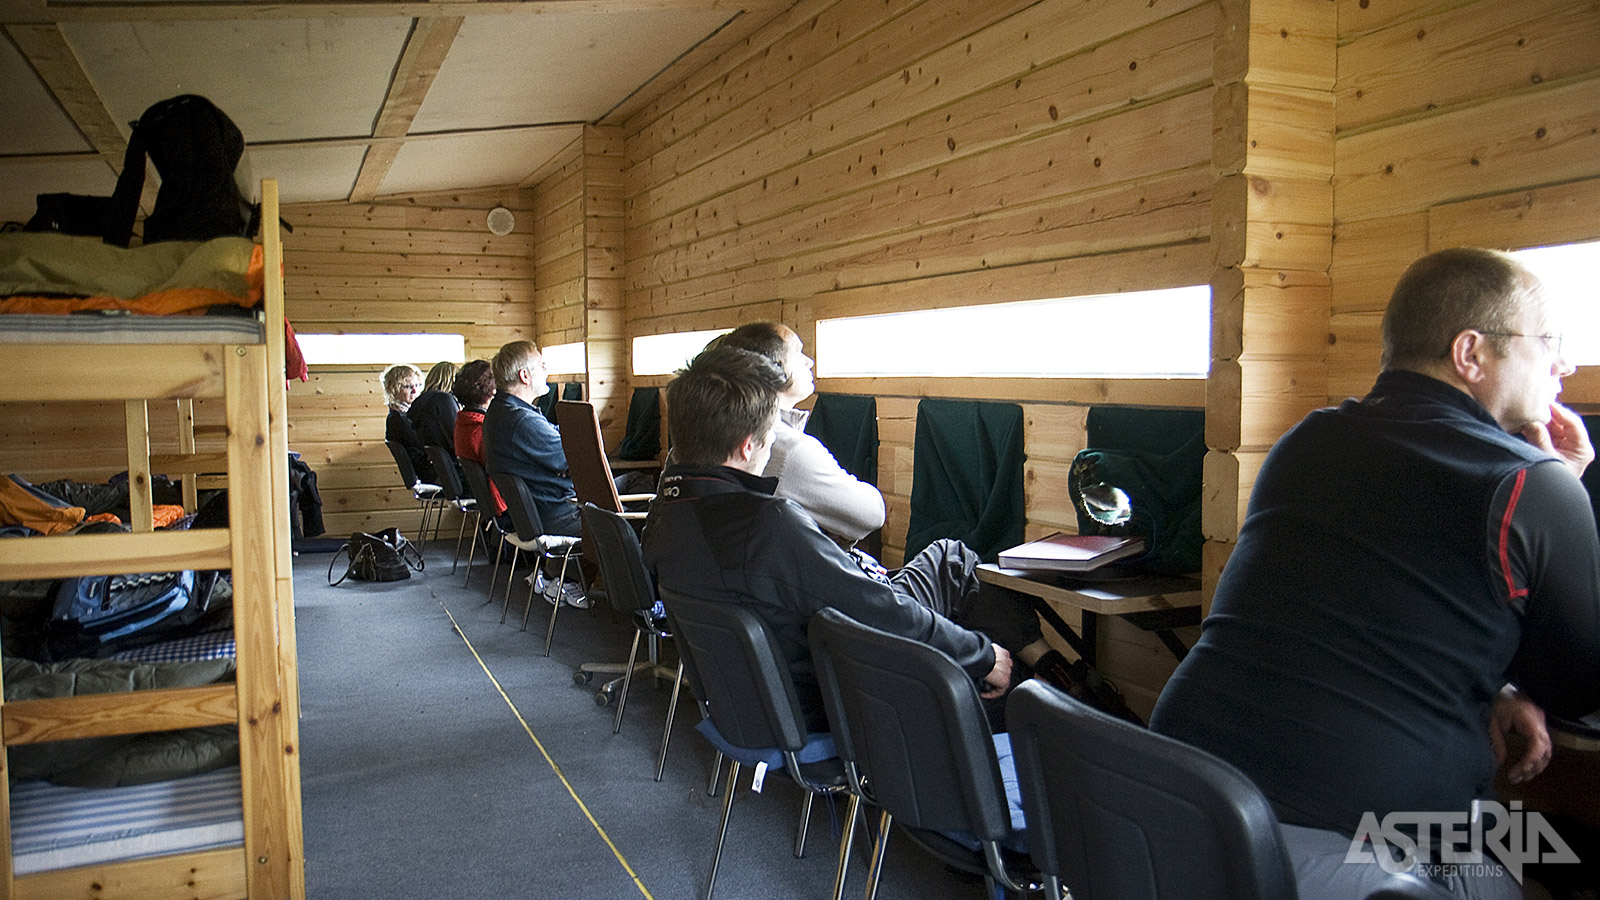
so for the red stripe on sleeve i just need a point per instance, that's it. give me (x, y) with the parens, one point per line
(1512, 591)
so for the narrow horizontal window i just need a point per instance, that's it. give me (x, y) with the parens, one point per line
(1567, 271)
(663, 354)
(565, 359)
(381, 349)
(1139, 334)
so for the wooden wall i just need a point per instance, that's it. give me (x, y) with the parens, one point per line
(403, 265)
(1457, 124)
(857, 157)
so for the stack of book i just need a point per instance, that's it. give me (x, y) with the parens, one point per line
(1062, 552)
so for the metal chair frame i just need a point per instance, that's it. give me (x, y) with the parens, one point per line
(429, 495)
(444, 465)
(529, 535)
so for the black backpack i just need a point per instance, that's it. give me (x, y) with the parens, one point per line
(196, 150)
(385, 556)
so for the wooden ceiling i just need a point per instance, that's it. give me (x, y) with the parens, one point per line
(342, 101)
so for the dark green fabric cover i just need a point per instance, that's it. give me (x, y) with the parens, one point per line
(966, 477)
(847, 424)
(642, 440)
(573, 391)
(1159, 431)
(119, 759)
(1157, 456)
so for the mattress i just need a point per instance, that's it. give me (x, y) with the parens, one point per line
(124, 328)
(55, 827)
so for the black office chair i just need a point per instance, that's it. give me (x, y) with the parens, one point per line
(912, 731)
(633, 594)
(453, 494)
(1118, 812)
(429, 495)
(529, 535)
(478, 480)
(754, 714)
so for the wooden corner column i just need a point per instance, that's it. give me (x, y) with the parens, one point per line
(1271, 239)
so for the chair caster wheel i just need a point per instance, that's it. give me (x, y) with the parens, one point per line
(582, 677)
(603, 699)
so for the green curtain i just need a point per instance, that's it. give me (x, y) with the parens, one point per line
(642, 440)
(966, 477)
(847, 424)
(573, 391)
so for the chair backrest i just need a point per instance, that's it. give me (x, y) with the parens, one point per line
(622, 567)
(408, 472)
(743, 679)
(1118, 812)
(909, 719)
(586, 454)
(524, 514)
(444, 470)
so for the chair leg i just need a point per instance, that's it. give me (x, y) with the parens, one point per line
(460, 533)
(494, 577)
(550, 630)
(627, 680)
(714, 784)
(510, 577)
(875, 867)
(846, 844)
(805, 825)
(666, 730)
(722, 831)
(472, 549)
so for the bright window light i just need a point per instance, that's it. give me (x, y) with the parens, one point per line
(664, 354)
(1568, 275)
(386, 349)
(1140, 334)
(565, 359)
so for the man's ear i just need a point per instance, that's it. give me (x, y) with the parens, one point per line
(748, 448)
(1467, 354)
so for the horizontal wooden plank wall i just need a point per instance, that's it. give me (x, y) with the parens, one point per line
(1457, 124)
(423, 264)
(858, 157)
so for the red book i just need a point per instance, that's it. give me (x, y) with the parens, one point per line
(1062, 552)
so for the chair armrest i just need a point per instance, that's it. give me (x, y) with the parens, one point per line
(636, 498)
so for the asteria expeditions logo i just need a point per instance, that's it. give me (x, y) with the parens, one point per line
(1490, 836)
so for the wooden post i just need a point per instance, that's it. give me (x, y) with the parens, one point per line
(1271, 240)
(604, 334)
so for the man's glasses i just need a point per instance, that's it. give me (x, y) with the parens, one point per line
(1551, 341)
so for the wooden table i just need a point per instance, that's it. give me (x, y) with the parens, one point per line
(1157, 604)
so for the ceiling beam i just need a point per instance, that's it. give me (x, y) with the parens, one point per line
(141, 11)
(47, 50)
(426, 48)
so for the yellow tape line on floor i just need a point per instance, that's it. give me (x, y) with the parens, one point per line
(546, 754)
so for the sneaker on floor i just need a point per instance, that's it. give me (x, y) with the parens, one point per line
(572, 594)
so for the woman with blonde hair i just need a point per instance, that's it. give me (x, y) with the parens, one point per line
(401, 384)
(433, 413)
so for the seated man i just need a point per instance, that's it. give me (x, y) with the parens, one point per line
(715, 530)
(519, 441)
(1411, 562)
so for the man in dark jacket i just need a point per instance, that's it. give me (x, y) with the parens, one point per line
(1418, 568)
(518, 440)
(716, 531)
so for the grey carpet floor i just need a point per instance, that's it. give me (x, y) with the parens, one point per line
(444, 757)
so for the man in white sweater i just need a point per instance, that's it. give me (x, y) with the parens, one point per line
(845, 507)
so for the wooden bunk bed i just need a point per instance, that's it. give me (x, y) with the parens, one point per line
(247, 377)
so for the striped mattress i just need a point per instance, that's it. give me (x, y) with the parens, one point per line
(55, 827)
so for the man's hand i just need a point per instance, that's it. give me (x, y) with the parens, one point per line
(999, 677)
(1514, 712)
(1565, 438)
